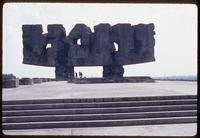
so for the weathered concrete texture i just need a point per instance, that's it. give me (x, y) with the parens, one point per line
(11, 83)
(108, 46)
(25, 81)
(96, 48)
(37, 80)
(34, 42)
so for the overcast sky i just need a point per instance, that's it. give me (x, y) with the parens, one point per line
(175, 27)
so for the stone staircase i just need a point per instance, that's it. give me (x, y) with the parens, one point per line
(98, 112)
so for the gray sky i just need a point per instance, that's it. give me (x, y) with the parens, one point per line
(175, 27)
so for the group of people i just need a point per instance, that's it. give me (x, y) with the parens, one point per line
(79, 74)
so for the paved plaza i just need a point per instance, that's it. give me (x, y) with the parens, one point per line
(62, 89)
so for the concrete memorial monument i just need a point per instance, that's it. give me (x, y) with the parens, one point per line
(108, 46)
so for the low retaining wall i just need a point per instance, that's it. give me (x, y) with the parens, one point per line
(25, 81)
(44, 79)
(37, 80)
(51, 79)
(11, 83)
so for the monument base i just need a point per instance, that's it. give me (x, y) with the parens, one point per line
(113, 80)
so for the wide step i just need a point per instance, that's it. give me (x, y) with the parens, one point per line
(99, 112)
(98, 104)
(104, 123)
(97, 116)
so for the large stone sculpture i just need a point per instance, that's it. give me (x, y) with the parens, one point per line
(108, 46)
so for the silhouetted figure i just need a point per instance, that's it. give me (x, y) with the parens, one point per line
(80, 75)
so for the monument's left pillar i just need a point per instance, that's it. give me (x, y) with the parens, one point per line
(59, 52)
(64, 73)
(63, 70)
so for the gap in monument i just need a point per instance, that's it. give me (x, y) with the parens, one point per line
(78, 41)
(48, 45)
(89, 71)
(116, 46)
(44, 29)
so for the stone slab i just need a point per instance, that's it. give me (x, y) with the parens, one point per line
(25, 81)
(12, 83)
(37, 80)
(44, 79)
